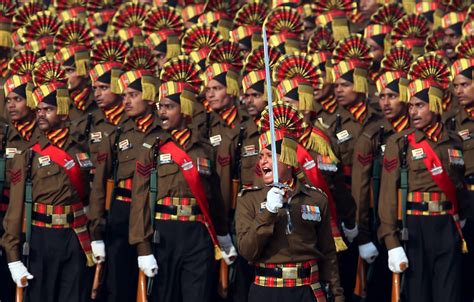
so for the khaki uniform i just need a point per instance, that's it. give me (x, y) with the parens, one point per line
(433, 241)
(181, 243)
(75, 115)
(262, 239)
(54, 252)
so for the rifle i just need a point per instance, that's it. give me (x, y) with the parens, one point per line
(112, 182)
(141, 290)
(236, 173)
(96, 284)
(360, 288)
(376, 169)
(87, 131)
(396, 284)
(28, 209)
(3, 160)
(338, 126)
(19, 290)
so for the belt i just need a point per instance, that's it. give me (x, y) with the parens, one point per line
(430, 206)
(54, 219)
(347, 172)
(283, 272)
(123, 190)
(50, 216)
(428, 203)
(180, 210)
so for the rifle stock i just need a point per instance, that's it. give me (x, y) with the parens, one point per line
(223, 287)
(396, 284)
(360, 289)
(235, 192)
(96, 283)
(141, 290)
(19, 291)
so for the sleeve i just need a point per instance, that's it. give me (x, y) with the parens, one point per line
(328, 267)
(361, 180)
(388, 200)
(102, 161)
(253, 231)
(13, 220)
(140, 229)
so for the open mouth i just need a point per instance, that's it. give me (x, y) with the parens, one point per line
(266, 171)
(164, 120)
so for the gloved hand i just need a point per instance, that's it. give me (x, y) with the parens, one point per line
(396, 257)
(275, 199)
(98, 250)
(18, 271)
(148, 265)
(350, 234)
(229, 253)
(368, 252)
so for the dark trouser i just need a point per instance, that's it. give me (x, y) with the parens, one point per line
(434, 256)
(281, 294)
(7, 286)
(379, 278)
(121, 257)
(468, 263)
(185, 257)
(58, 265)
(244, 277)
(348, 269)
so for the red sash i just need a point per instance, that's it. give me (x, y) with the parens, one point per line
(317, 180)
(191, 174)
(441, 179)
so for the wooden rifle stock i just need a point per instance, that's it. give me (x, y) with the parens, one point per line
(235, 192)
(223, 287)
(96, 283)
(396, 283)
(360, 289)
(141, 291)
(19, 290)
(109, 188)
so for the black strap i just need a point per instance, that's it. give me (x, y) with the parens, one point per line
(49, 219)
(423, 206)
(123, 192)
(173, 210)
(278, 273)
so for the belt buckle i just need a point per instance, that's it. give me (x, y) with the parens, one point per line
(289, 272)
(184, 210)
(59, 219)
(434, 206)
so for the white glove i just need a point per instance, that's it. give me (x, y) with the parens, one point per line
(18, 271)
(98, 249)
(368, 252)
(350, 234)
(229, 253)
(148, 265)
(396, 257)
(275, 199)
(462, 223)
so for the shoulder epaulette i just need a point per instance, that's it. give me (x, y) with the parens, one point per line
(248, 189)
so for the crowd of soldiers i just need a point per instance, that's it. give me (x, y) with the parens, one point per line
(137, 150)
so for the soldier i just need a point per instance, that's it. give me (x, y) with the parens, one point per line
(367, 164)
(48, 185)
(286, 233)
(100, 14)
(114, 170)
(452, 25)
(424, 166)
(180, 231)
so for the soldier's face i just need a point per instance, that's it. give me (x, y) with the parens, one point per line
(265, 162)
(344, 92)
(16, 107)
(320, 94)
(390, 104)
(450, 40)
(135, 106)
(170, 115)
(47, 117)
(375, 49)
(368, 7)
(255, 102)
(160, 57)
(217, 96)
(73, 79)
(464, 90)
(420, 114)
(103, 96)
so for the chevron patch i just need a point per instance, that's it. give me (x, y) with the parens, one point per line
(144, 170)
(102, 157)
(15, 176)
(390, 164)
(365, 159)
(223, 160)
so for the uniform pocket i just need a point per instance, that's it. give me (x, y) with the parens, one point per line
(167, 169)
(45, 172)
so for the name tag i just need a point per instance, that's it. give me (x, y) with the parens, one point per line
(145, 145)
(44, 161)
(343, 136)
(215, 140)
(70, 164)
(436, 170)
(96, 137)
(310, 213)
(165, 158)
(465, 134)
(418, 154)
(309, 164)
(455, 157)
(84, 160)
(249, 150)
(124, 145)
(204, 166)
(11, 152)
(187, 165)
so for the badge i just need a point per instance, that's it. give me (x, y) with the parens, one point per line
(96, 137)
(44, 161)
(204, 166)
(11, 152)
(436, 170)
(148, 146)
(326, 164)
(465, 135)
(187, 165)
(124, 145)
(69, 164)
(215, 140)
(309, 164)
(455, 157)
(249, 150)
(84, 160)
(165, 158)
(311, 213)
(343, 136)
(418, 154)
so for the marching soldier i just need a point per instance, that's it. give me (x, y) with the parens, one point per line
(49, 186)
(286, 233)
(451, 23)
(367, 164)
(423, 203)
(177, 219)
